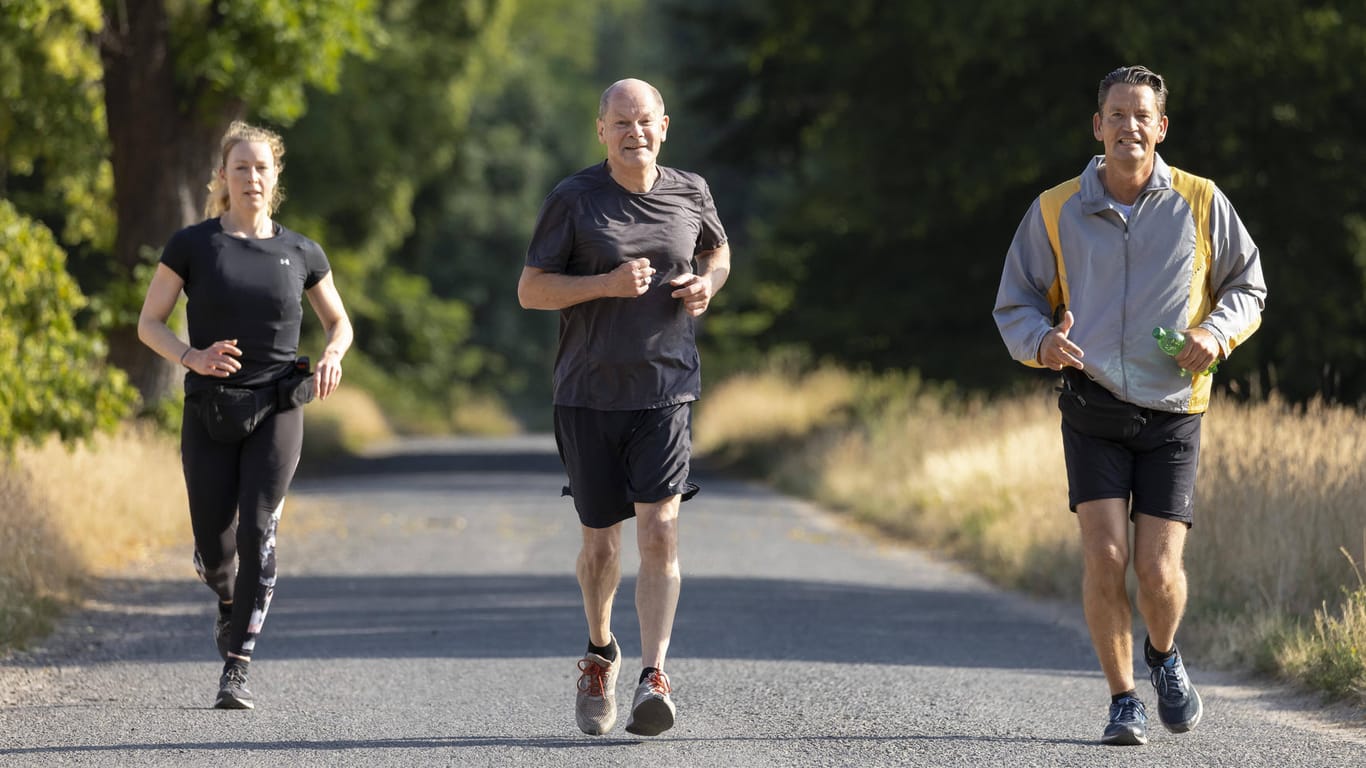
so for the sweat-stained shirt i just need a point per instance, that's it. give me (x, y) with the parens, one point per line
(619, 354)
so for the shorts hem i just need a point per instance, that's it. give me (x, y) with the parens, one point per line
(1073, 504)
(602, 522)
(1175, 517)
(686, 491)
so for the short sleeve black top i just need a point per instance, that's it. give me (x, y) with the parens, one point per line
(619, 354)
(244, 289)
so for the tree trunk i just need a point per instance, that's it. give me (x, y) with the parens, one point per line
(163, 151)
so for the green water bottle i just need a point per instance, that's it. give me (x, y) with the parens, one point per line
(1172, 342)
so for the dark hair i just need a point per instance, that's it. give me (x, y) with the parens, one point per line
(1134, 75)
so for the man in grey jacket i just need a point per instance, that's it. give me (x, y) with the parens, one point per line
(1097, 264)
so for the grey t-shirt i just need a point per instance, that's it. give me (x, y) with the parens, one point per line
(618, 354)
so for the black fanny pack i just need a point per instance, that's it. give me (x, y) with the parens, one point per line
(1092, 410)
(296, 389)
(230, 414)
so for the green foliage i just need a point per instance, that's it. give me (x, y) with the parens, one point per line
(53, 161)
(266, 52)
(420, 339)
(1334, 655)
(55, 379)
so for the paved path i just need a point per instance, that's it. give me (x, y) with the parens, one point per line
(427, 615)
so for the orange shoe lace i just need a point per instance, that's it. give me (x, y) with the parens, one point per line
(659, 683)
(593, 681)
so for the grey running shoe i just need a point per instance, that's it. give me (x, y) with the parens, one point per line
(1178, 703)
(595, 705)
(1128, 724)
(232, 689)
(652, 711)
(221, 624)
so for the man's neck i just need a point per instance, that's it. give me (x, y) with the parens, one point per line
(1125, 184)
(635, 179)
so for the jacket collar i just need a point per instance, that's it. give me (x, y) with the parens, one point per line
(1092, 192)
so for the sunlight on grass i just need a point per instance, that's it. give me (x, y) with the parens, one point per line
(1279, 494)
(67, 513)
(345, 423)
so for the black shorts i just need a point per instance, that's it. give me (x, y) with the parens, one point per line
(615, 459)
(1155, 468)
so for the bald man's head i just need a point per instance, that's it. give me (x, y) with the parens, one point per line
(633, 87)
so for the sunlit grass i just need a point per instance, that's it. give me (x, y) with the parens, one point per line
(483, 415)
(345, 423)
(67, 513)
(1279, 493)
(70, 512)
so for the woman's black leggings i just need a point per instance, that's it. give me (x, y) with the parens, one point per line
(237, 492)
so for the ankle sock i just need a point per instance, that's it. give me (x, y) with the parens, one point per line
(1129, 694)
(1153, 656)
(644, 673)
(608, 651)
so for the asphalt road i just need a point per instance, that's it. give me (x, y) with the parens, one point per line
(427, 614)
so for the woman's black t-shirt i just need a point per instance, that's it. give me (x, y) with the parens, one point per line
(249, 290)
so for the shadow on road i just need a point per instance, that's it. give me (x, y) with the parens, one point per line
(584, 744)
(437, 462)
(526, 616)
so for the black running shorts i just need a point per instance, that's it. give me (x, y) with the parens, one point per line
(615, 459)
(1155, 469)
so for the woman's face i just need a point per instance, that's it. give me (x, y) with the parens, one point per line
(250, 174)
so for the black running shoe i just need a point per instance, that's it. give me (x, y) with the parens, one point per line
(232, 689)
(1178, 703)
(1128, 724)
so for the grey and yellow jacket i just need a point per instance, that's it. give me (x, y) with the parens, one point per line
(1181, 259)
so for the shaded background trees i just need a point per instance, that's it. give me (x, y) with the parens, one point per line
(897, 145)
(871, 161)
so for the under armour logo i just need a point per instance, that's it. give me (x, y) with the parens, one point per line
(284, 262)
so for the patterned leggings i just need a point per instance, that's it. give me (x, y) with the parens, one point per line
(237, 492)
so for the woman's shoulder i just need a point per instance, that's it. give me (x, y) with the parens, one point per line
(293, 237)
(199, 231)
(194, 239)
(296, 240)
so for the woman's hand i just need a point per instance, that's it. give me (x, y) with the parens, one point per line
(219, 360)
(327, 376)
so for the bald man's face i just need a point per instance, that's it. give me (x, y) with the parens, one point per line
(633, 128)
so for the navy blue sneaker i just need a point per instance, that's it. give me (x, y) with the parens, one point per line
(1178, 703)
(1128, 724)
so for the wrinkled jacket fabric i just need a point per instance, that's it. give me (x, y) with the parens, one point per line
(1182, 259)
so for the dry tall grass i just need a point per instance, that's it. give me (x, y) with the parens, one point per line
(347, 421)
(1282, 491)
(1279, 494)
(70, 512)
